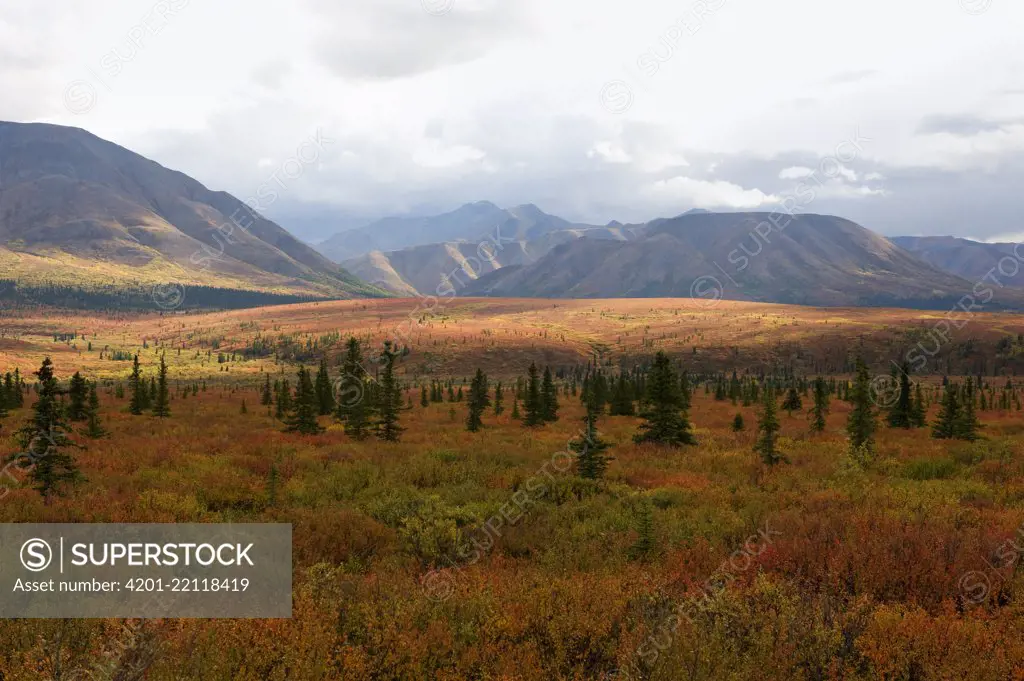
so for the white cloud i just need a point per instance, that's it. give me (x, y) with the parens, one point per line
(434, 154)
(845, 173)
(834, 170)
(710, 194)
(502, 100)
(609, 152)
(795, 173)
(1007, 238)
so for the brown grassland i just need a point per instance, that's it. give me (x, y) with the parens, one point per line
(821, 569)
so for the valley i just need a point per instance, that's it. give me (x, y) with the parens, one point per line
(454, 336)
(449, 553)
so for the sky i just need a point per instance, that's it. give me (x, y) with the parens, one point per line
(907, 117)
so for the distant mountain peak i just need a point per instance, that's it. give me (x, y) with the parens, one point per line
(819, 260)
(528, 211)
(482, 205)
(472, 222)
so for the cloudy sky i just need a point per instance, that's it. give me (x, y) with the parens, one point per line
(906, 116)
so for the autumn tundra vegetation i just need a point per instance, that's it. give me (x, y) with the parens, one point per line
(540, 490)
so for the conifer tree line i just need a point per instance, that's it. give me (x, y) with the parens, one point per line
(369, 398)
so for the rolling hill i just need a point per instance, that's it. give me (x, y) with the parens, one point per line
(79, 211)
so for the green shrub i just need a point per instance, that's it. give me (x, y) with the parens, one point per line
(436, 531)
(930, 469)
(667, 498)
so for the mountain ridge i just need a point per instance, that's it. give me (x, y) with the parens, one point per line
(477, 221)
(815, 260)
(76, 208)
(972, 260)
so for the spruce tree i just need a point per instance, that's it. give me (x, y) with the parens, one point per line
(19, 394)
(390, 399)
(162, 398)
(622, 398)
(302, 418)
(646, 543)
(819, 412)
(734, 388)
(478, 401)
(44, 439)
(284, 400)
(266, 395)
(358, 410)
(424, 399)
(860, 426)
(499, 399)
(94, 427)
(532, 401)
(945, 426)
(685, 392)
(768, 431)
(515, 408)
(549, 397)
(901, 412)
(966, 425)
(137, 387)
(720, 389)
(918, 411)
(78, 398)
(6, 396)
(792, 402)
(324, 390)
(737, 423)
(353, 397)
(591, 460)
(665, 420)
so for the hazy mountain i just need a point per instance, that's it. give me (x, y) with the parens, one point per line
(971, 260)
(80, 211)
(815, 260)
(438, 269)
(314, 222)
(473, 222)
(433, 268)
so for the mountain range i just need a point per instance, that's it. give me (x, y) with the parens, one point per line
(971, 260)
(807, 259)
(471, 222)
(77, 210)
(482, 238)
